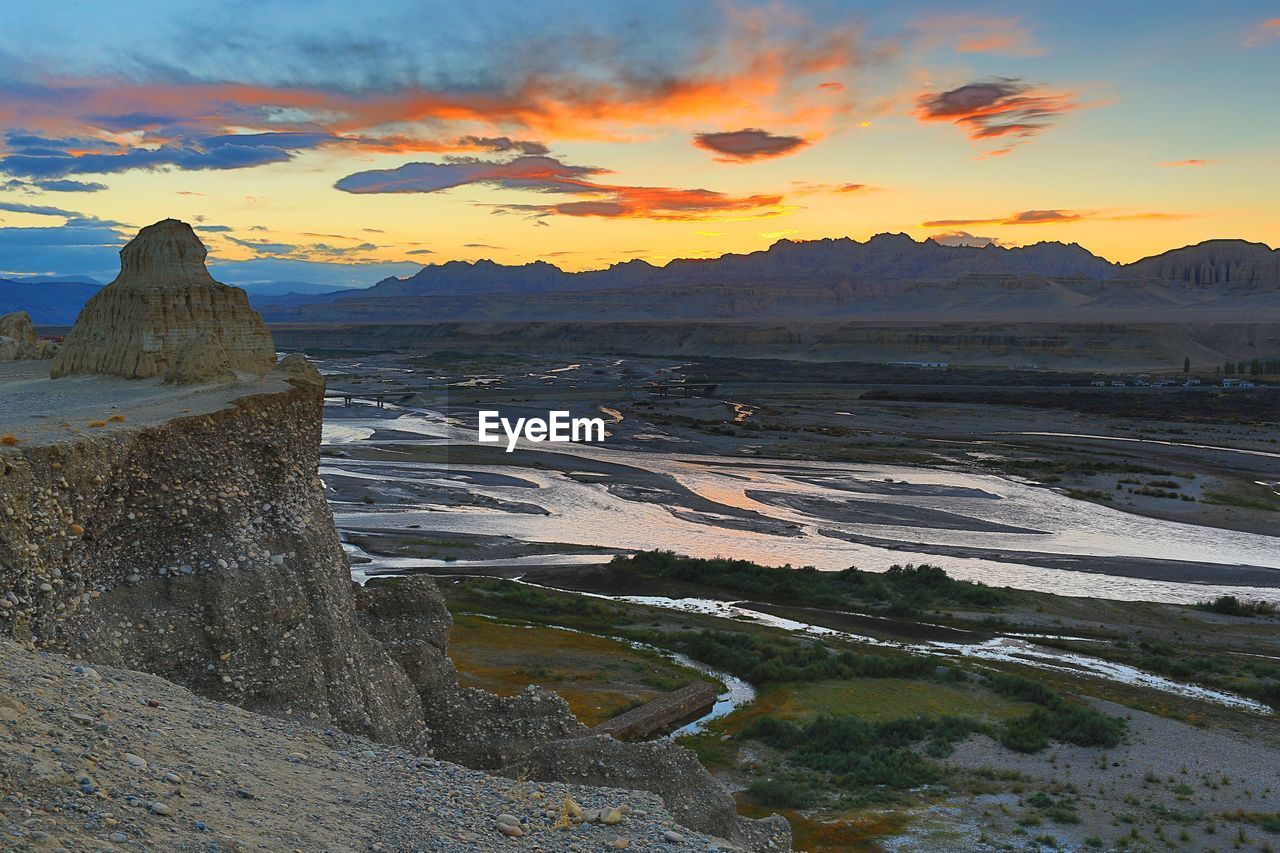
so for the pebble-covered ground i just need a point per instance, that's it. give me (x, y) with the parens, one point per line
(105, 759)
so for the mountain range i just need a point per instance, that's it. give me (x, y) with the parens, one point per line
(886, 277)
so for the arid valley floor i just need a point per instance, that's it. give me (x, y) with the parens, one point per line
(1101, 516)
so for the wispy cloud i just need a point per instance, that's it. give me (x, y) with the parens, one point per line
(549, 175)
(974, 34)
(1057, 217)
(1263, 33)
(1185, 163)
(545, 174)
(740, 146)
(996, 108)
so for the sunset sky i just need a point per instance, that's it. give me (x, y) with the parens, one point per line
(339, 142)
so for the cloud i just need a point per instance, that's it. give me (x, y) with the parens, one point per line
(79, 245)
(214, 229)
(1046, 217)
(1262, 33)
(995, 108)
(482, 246)
(739, 146)
(51, 157)
(420, 252)
(56, 185)
(1187, 163)
(545, 174)
(660, 203)
(1025, 217)
(969, 34)
(964, 238)
(248, 98)
(499, 144)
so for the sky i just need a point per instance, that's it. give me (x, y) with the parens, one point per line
(338, 143)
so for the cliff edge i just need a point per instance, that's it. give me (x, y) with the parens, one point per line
(182, 530)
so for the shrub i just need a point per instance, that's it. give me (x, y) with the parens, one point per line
(8, 439)
(783, 793)
(902, 590)
(1229, 605)
(857, 753)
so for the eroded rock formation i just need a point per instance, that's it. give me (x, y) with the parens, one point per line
(18, 341)
(164, 315)
(201, 549)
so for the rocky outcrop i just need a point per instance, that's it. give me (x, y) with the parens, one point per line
(199, 547)
(18, 341)
(145, 549)
(534, 735)
(1212, 263)
(164, 315)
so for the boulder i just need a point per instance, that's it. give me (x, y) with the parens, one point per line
(164, 308)
(18, 340)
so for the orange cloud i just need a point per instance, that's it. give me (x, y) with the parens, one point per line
(967, 34)
(999, 107)
(767, 67)
(661, 203)
(1264, 32)
(1179, 163)
(1025, 217)
(1047, 217)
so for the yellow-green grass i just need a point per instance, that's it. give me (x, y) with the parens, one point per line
(875, 699)
(599, 678)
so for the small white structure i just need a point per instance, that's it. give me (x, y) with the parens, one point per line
(1237, 383)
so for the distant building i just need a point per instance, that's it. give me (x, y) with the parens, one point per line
(1237, 383)
(937, 365)
(1099, 383)
(1191, 382)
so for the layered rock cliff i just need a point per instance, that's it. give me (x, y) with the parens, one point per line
(18, 341)
(165, 315)
(188, 536)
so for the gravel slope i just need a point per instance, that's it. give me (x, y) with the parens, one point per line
(106, 759)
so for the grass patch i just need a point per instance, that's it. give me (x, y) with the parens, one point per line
(599, 678)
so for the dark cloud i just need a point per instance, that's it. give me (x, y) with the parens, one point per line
(502, 144)
(999, 107)
(56, 185)
(1024, 217)
(963, 238)
(420, 252)
(545, 174)
(739, 146)
(214, 229)
(48, 157)
(481, 246)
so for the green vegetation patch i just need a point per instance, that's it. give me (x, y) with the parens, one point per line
(902, 589)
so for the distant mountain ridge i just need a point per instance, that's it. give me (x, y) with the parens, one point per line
(884, 256)
(887, 276)
(1213, 262)
(49, 302)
